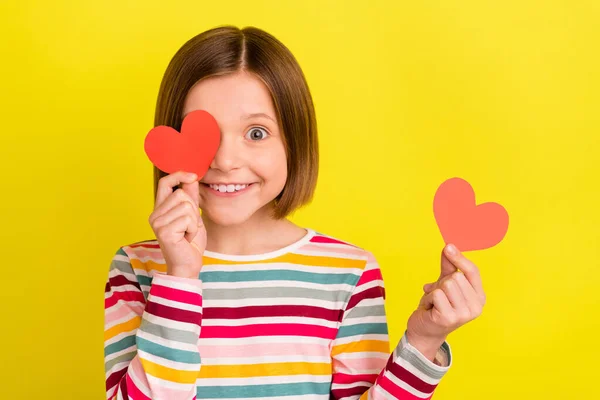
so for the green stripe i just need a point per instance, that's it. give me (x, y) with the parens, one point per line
(275, 292)
(127, 357)
(122, 344)
(144, 280)
(173, 334)
(183, 356)
(261, 391)
(278, 275)
(362, 329)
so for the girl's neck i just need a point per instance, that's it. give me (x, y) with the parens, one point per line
(260, 234)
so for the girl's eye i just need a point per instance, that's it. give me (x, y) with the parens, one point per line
(256, 134)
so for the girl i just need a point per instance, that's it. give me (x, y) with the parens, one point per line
(237, 301)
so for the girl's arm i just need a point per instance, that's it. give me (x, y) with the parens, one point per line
(362, 365)
(150, 345)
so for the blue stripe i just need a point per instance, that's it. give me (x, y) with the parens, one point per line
(278, 275)
(177, 355)
(261, 391)
(362, 329)
(122, 344)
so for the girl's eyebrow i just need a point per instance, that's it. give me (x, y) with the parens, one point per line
(254, 115)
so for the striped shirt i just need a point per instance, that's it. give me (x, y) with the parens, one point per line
(304, 322)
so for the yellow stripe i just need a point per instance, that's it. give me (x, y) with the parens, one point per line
(373, 346)
(169, 374)
(333, 262)
(148, 265)
(128, 326)
(257, 370)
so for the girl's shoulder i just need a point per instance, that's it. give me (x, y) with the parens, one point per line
(333, 246)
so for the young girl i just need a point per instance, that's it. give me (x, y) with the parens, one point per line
(237, 302)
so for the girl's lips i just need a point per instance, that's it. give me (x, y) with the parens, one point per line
(227, 194)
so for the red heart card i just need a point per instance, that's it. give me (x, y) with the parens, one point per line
(463, 223)
(192, 150)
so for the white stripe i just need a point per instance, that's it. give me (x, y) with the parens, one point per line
(381, 393)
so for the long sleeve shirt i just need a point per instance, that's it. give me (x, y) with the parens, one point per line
(304, 322)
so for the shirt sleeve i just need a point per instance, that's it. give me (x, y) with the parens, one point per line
(363, 367)
(150, 344)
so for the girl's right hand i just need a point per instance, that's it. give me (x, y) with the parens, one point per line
(177, 224)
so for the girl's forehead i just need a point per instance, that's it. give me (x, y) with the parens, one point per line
(231, 97)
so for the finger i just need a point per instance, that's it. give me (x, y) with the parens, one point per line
(166, 184)
(173, 200)
(454, 295)
(447, 268)
(441, 312)
(184, 224)
(428, 287)
(473, 301)
(467, 267)
(182, 209)
(193, 190)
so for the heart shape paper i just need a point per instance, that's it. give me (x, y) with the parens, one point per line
(192, 150)
(463, 223)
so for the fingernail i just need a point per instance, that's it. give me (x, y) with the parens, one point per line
(451, 249)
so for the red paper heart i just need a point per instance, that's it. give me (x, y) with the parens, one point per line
(462, 222)
(192, 150)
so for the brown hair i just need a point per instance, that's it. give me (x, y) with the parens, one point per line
(228, 49)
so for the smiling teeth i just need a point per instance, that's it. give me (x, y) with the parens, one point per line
(228, 188)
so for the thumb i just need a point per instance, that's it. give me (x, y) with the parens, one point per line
(447, 268)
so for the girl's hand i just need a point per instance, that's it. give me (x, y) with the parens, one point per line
(177, 224)
(456, 298)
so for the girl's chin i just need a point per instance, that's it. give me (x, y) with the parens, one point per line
(225, 216)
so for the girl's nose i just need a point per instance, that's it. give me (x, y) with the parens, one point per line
(228, 155)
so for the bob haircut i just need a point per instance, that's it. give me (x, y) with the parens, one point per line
(227, 49)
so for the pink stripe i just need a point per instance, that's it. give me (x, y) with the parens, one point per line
(361, 365)
(258, 350)
(169, 293)
(267, 330)
(369, 276)
(153, 255)
(116, 313)
(133, 391)
(326, 239)
(351, 251)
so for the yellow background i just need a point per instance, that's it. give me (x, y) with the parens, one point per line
(504, 94)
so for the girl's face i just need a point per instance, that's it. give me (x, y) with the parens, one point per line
(250, 168)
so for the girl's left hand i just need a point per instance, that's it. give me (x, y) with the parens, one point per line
(456, 298)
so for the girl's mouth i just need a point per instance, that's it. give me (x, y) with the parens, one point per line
(225, 189)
